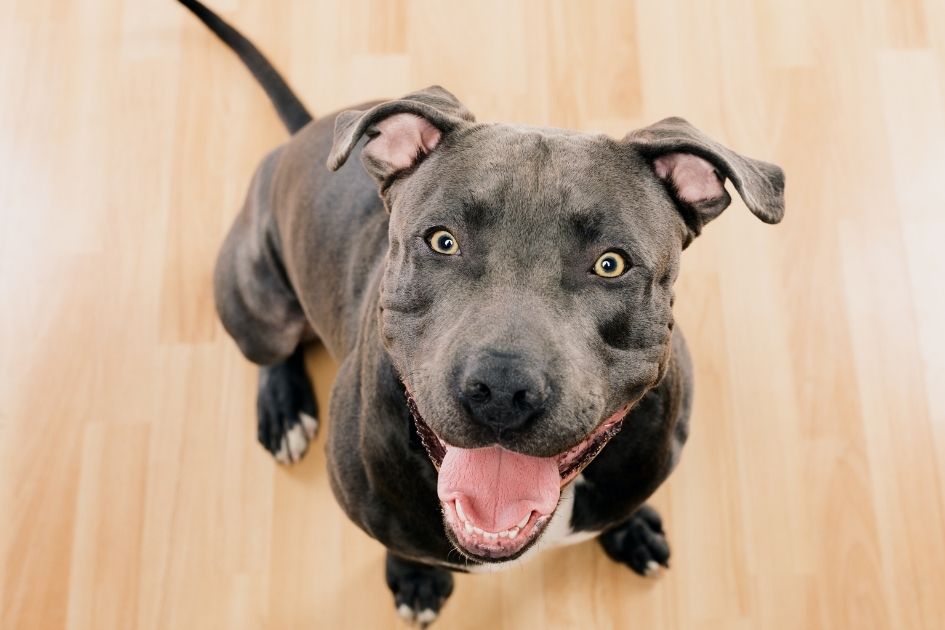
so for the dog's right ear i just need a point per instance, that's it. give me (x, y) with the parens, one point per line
(400, 133)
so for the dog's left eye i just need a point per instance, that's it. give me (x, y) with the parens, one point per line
(442, 242)
(610, 265)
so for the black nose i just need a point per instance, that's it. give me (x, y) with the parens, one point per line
(502, 391)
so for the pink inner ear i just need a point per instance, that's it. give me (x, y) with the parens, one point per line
(402, 137)
(695, 179)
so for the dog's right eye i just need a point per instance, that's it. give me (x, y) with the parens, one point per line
(442, 242)
(610, 265)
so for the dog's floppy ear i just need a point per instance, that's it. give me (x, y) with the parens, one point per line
(400, 133)
(694, 168)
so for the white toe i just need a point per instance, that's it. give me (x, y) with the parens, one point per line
(308, 423)
(652, 569)
(282, 455)
(405, 612)
(297, 442)
(426, 616)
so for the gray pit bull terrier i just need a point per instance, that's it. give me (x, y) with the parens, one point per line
(499, 299)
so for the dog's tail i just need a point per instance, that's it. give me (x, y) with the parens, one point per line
(290, 109)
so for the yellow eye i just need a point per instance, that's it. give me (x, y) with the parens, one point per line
(442, 242)
(610, 265)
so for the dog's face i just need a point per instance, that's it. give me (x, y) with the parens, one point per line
(527, 299)
(555, 279)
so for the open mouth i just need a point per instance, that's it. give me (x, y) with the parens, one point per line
(496, 502)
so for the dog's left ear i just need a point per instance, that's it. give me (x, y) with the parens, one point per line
(694, 168)
(400, 133)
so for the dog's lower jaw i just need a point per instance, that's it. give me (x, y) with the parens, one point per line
(489, 547)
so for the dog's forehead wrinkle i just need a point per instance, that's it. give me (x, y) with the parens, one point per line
(502, 167)
(587, 227)
(478, 214)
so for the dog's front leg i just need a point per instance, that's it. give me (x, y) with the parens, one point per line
(259, 309)
(419, 590)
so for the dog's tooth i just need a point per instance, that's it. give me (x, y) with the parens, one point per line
(478, 531)
(513, 532)
(522, 523)
(459, 511)
(491, 536)
(469, 528)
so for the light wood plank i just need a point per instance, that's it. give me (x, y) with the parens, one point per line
(812, 492)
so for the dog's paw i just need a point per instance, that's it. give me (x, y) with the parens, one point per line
(639, 543)
(287, 412)
(419, 591)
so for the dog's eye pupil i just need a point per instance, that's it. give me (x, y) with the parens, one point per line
(445, 242)
(608, 264)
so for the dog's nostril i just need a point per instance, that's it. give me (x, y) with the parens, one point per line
(478, 392)
(526, 400)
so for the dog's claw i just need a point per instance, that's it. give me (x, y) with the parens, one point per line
(652, 569)
(310, 424)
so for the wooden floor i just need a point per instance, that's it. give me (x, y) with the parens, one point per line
(132, 492)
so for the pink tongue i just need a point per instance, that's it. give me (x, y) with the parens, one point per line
(496, 487)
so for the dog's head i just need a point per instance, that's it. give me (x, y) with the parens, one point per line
(527, 300)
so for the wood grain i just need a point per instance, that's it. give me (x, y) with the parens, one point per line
(132, 493)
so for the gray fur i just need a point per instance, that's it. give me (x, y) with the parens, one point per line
(315, 253)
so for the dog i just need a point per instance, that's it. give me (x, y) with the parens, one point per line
(499, 299)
